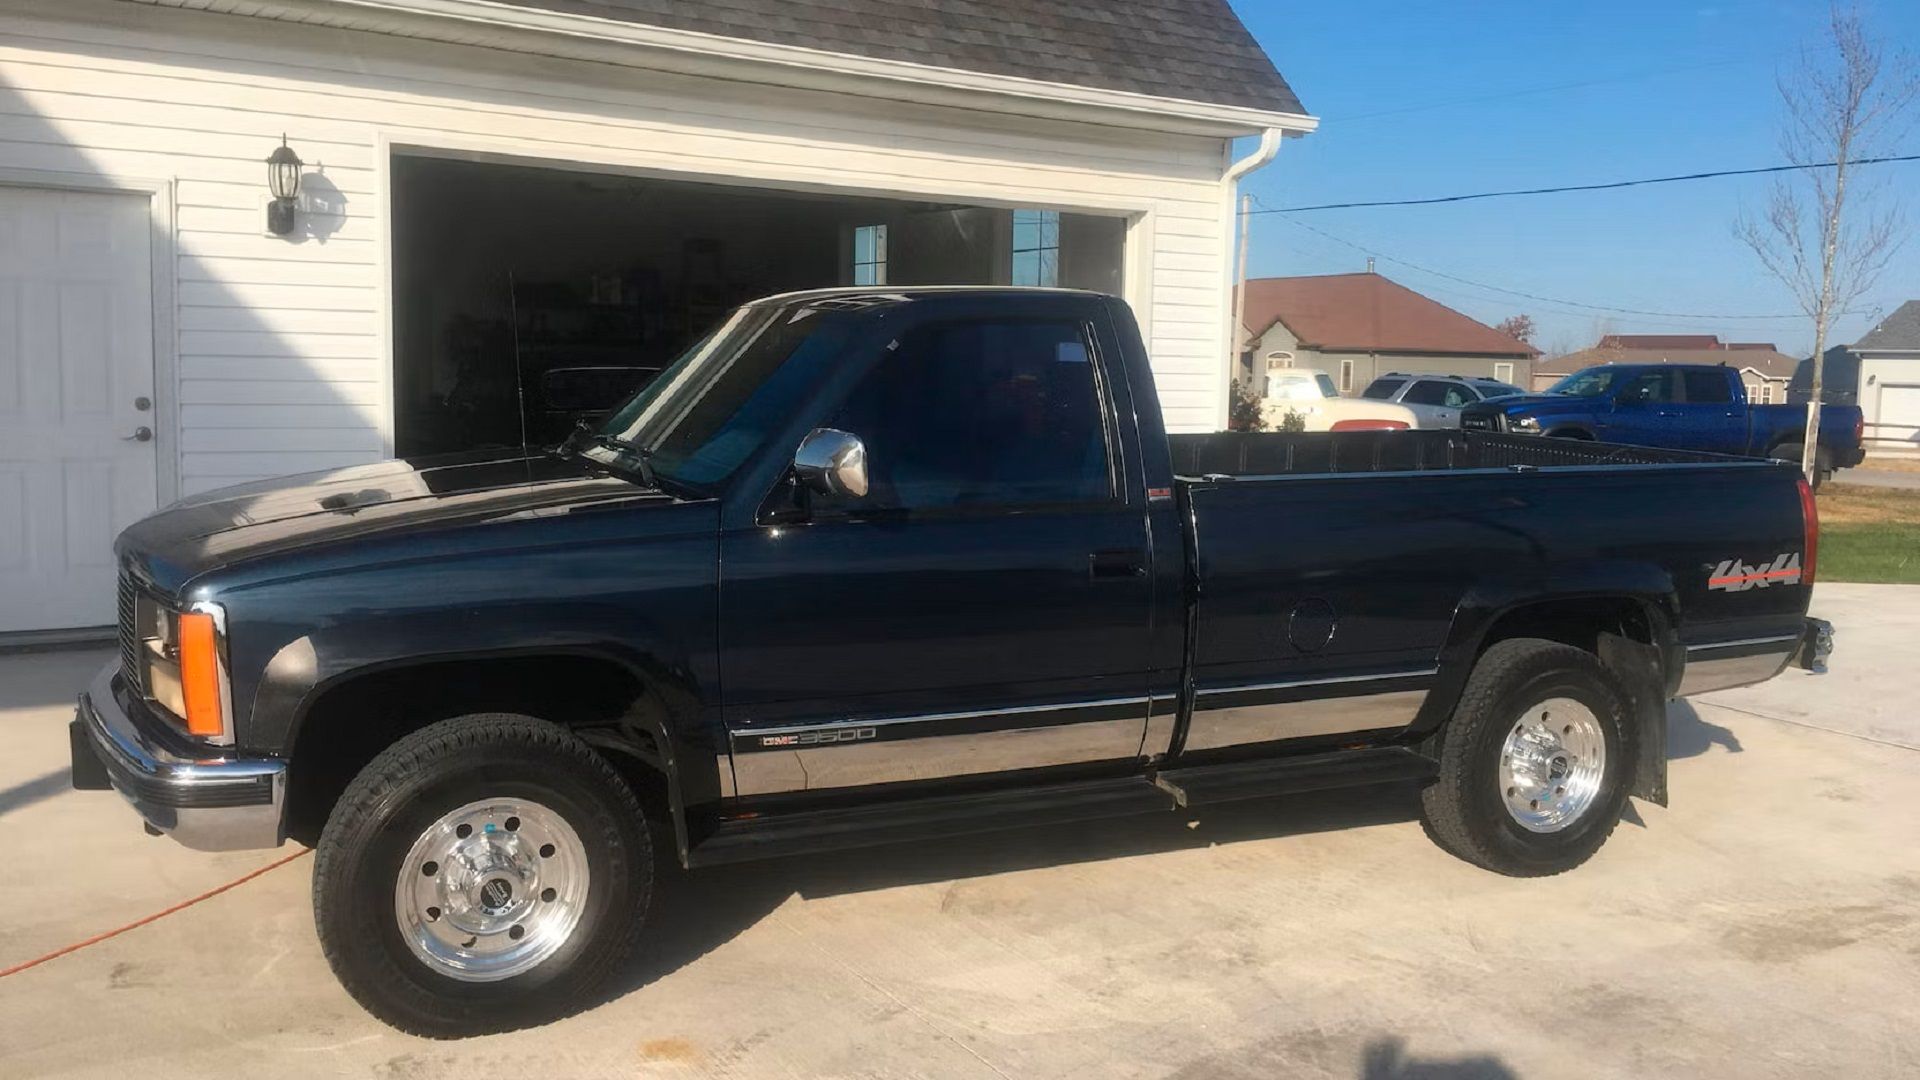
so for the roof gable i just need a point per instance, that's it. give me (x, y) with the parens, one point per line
(1189, 50)
(1900, 330)
(1369, 313)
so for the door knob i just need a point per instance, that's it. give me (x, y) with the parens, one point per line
(140, 434)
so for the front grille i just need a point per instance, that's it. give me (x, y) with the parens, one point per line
(1476, 423)
(129, 633)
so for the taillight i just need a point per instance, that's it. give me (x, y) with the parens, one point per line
(200, 675)
(1859, 429)
(1809, 531)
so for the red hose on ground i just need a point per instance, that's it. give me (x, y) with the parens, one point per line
(137, 923)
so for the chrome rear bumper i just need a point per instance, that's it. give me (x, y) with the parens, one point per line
(209, 803)
(1723, 665)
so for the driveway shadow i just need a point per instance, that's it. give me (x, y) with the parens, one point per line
(1688, 735)
(1386, 1059)
(695, 912)
(38, 789)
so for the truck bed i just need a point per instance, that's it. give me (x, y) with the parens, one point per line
(1247, 454)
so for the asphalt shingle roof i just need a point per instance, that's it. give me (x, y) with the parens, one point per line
(1191, 50)
(1900, 330)
(1368, 313)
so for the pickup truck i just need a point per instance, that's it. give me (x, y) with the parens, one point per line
(871, 566)
(1682, 406)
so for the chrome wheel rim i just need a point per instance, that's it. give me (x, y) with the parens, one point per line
(491, 889)
(1552, 765)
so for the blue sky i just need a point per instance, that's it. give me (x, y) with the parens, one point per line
(1420, 99)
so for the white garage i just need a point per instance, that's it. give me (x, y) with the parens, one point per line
(551, 192)
(1889, 386)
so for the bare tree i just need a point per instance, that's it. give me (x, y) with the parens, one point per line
(1843, 103)
(1518, 327)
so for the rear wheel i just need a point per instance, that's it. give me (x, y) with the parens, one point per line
(484, 873)
(1534, 763)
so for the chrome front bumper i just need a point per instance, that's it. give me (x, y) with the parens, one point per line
(209, 803)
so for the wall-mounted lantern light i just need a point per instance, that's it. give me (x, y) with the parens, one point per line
(283, 179)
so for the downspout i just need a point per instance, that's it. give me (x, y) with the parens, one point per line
(1230, 183)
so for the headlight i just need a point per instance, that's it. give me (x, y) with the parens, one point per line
(183, 666)
(1525, 424)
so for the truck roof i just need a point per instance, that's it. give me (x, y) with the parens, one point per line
(900, 293)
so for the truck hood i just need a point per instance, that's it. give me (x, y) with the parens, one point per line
(1536, 404)
(206, 532)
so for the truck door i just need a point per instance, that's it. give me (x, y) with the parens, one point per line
(985, 607)
(1643, 411)
(1709, 416)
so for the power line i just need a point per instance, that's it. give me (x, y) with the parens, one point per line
(1584, 307)
(1582, 187)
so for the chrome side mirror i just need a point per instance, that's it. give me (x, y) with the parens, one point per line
(832, 462)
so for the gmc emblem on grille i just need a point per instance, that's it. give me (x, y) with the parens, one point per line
(819, 738)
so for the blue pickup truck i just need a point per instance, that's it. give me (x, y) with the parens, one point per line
(1677, 406)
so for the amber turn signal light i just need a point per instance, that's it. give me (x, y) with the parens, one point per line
(200, 675)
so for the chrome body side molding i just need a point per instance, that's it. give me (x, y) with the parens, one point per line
(934, 746)
(1243, 714)
(1723, 665)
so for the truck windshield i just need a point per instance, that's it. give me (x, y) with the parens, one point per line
(696, 423)
(1592, 382)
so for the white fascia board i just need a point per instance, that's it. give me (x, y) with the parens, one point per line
(589, 37)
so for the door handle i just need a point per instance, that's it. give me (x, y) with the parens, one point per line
(1111, 565)
(140, 434)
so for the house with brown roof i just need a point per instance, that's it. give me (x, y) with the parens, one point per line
(1356, 327)
(1764, 370)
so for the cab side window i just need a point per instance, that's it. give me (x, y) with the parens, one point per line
(1434, 392)
(980, 414)
(1708, 387)
(1650, 386)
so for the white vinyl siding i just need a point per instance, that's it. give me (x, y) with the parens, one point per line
(276, 335)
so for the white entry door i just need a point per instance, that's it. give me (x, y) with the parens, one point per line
(76, 354)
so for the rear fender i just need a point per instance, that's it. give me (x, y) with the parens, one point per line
(1650, 669)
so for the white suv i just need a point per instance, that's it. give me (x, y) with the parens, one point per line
(1436, 399)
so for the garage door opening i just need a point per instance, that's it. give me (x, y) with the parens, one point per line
(527, 299)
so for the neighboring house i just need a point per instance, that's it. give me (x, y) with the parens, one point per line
(1839, 378)
(1764, 369)
(1356, 327)
(548, 199)
(1889, 384)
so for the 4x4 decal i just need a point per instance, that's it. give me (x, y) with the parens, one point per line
(1732, 575)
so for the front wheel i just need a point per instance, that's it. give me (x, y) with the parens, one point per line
(483, 873)
(1535, 761)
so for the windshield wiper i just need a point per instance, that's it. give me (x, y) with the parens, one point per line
(641, 455)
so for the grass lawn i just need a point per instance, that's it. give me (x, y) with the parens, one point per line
(1869, 534)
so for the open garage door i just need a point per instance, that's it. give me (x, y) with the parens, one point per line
(529, 298)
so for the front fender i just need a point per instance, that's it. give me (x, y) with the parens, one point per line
(670, 730)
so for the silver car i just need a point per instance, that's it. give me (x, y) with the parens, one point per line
(1436, 399)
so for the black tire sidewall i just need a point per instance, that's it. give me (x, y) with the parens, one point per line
(1484, 800)
(356, 907)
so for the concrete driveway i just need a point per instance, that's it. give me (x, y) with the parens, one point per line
(1768, 924)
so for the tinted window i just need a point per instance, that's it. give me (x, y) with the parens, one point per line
(1382, 389)
(980, 414)
(1708, 387)
(1433, 392)
(1650, 386)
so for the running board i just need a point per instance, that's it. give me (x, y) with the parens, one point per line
(810, 832)
(1199, 785)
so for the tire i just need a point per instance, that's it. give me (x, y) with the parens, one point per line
(582, 852)
(1467, 809)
